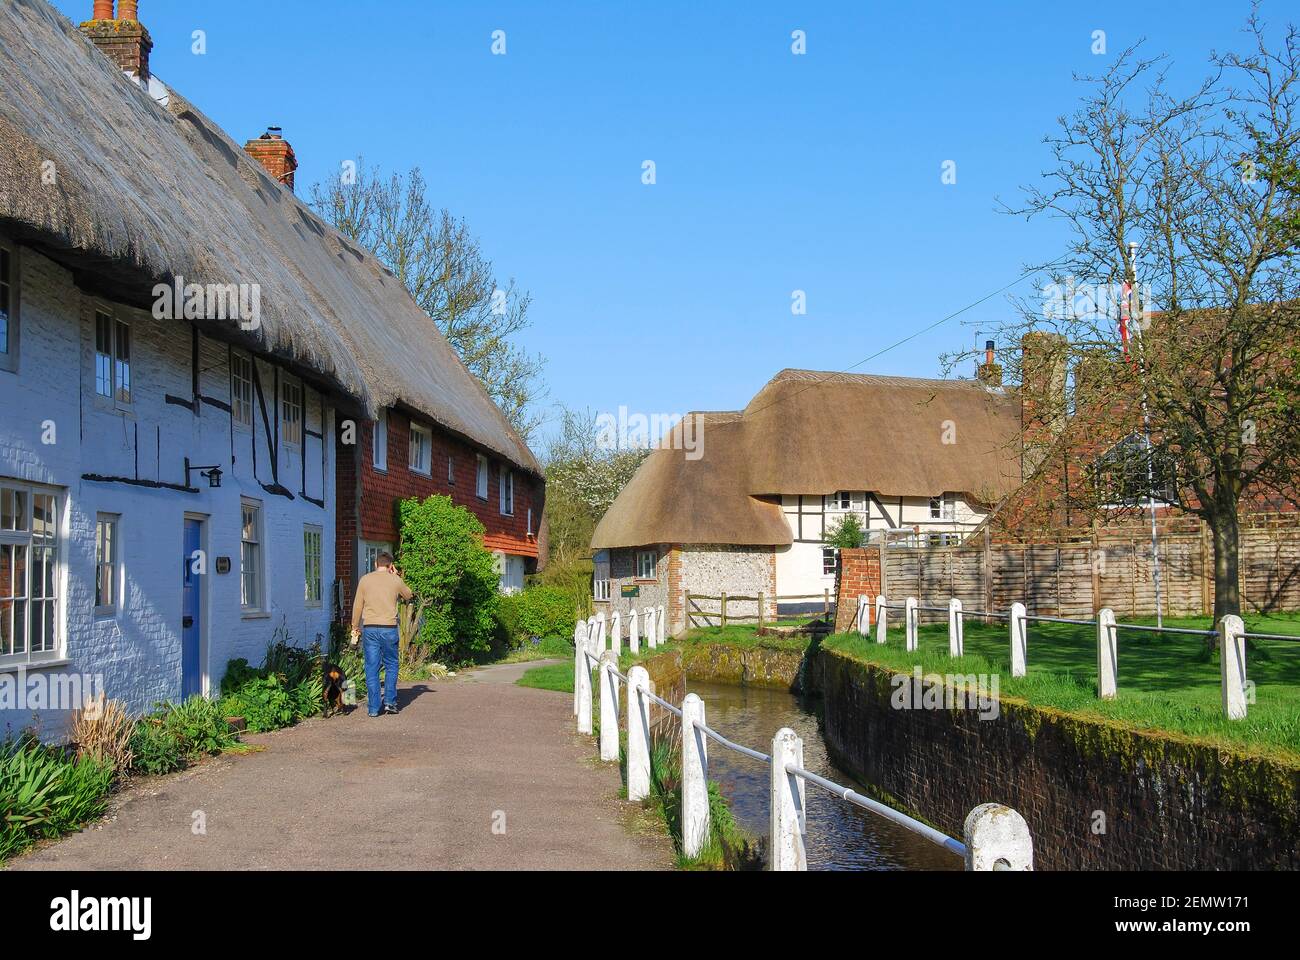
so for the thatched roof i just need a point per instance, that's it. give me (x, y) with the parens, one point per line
(807, 432)
(672, 499)
(146, 192)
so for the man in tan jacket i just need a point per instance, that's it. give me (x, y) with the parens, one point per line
(374, 621)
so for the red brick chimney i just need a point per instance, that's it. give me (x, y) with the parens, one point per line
(123, 38)
(273, 152)
(990, 371)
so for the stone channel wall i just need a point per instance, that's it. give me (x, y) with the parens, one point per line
(1164, 803)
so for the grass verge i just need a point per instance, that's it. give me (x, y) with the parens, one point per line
(1168, 683)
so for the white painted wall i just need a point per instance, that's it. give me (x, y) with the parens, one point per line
(137, 651)
(799, 567)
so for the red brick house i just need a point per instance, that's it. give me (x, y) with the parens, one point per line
(407, 454)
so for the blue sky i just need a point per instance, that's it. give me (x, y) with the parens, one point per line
(775, 172)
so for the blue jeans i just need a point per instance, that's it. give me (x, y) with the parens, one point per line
(380, 643)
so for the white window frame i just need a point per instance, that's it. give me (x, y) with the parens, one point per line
(639, 568)
(313, 576)
(242, 394)
(256, 578)
(50, 546)
(108, 563)
(379, 442)
(118, 370)
(370, 549)
(840, 500)
(943, 507)
(419, 457)
(481, 478)
(506, 493)
(830, 559)
(293, 410)
(451, 471)
(9, 343)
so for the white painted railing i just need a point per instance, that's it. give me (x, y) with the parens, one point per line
(1231, 634)
(996, 837)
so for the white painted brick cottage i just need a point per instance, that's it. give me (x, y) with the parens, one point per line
(185, 351)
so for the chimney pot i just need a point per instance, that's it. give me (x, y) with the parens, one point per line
(123, 39)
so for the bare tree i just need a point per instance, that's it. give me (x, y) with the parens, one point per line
(441, 263)
(1182, 216)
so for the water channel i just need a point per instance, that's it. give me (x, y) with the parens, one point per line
(841, 835)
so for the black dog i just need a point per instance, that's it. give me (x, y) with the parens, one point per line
(333, 685)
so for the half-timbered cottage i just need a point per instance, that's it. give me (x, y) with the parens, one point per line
(923, 459)
(181, 343)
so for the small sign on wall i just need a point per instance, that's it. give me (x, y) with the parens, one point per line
(223, 565)
(631, 590)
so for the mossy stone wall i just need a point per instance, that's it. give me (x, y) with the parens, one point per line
(1097, 796)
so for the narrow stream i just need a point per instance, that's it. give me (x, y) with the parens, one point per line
(841, 836)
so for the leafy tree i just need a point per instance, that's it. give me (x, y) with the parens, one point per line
(1189, 199)
(442, 265)
(453, 576)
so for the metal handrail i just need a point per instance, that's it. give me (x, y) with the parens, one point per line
(714, 735)
(875, 806)
(1271, 636)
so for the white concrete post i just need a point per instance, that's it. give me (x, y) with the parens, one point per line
(608, 706)
(1019, 640)
(956, 629)
(695, 778)
(638, 734)
(579, 645)
(909, 621)
(997, 838)
(659, 624)
(633, 639)
(882, 614)
(616, 632)
(650, 636)
(584, 694)
(786, 842)
(1232, 666)
(600, 634)
(862, 621)
(592, 636)
(1107, 655)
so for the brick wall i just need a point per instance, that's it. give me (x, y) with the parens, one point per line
(859, 577)
(380, 491)
(345, 523)
(1165, 804)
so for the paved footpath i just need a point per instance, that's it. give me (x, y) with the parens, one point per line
(418, 791)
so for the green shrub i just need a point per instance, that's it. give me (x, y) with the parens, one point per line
(199, 726)
(443, 560)
(288, 687)
(540, 611)
(264, 702)
(83, 794)
(154, 749)
(46, 791)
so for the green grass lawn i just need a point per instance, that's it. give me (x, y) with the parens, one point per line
(553, 676)
(546, 648)
(1166, 681)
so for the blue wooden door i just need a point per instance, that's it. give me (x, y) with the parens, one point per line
(192, 613)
